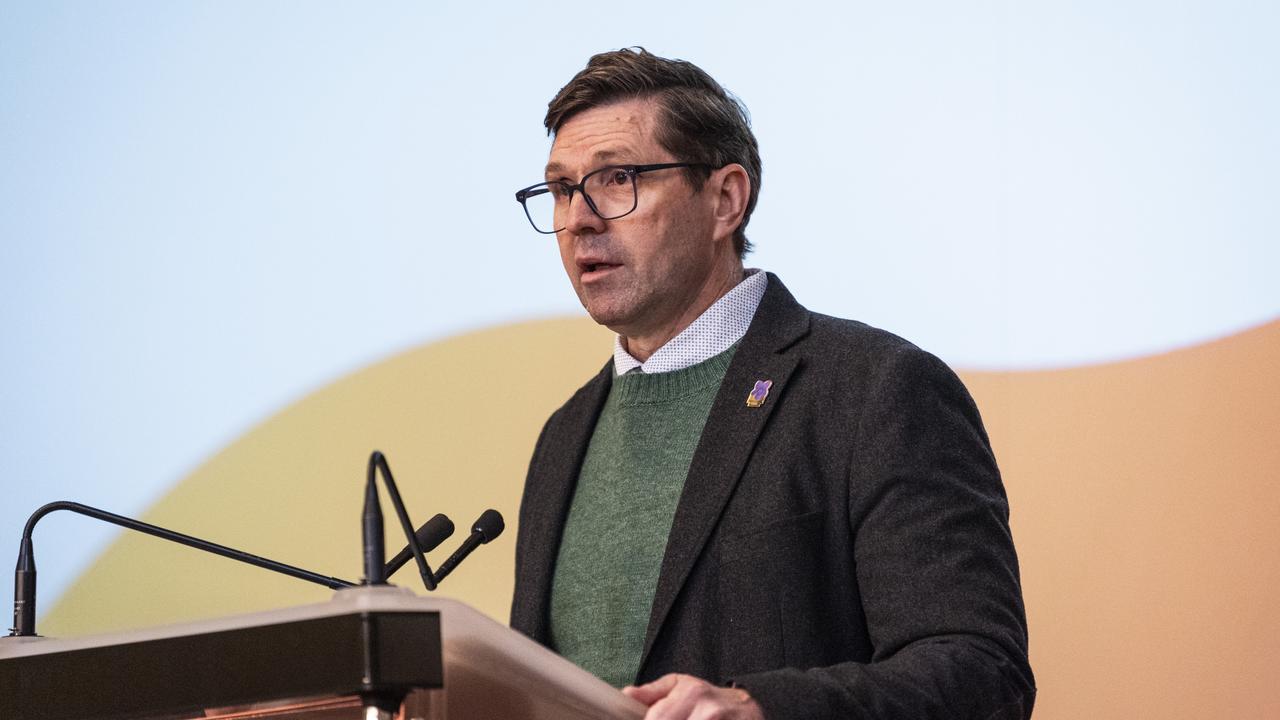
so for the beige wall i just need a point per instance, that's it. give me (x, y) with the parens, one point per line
(1145, 507)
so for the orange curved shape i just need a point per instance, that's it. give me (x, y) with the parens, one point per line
(1145, 502)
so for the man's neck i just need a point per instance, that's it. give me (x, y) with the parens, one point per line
(643, 345)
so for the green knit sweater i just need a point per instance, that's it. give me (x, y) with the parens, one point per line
(616, 532)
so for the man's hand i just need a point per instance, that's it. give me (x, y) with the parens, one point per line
(684, 697)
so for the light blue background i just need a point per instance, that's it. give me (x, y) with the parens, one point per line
(208, 210)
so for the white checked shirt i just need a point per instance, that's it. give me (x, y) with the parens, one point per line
(722, 325)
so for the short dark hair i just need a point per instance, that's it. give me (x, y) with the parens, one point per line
(698, 120)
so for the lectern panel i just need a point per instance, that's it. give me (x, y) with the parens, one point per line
(177, 676)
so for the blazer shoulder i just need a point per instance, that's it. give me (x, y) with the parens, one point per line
(878, 357)
(833, 334)
(782, 324)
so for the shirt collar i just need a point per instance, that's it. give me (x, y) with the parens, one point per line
(715, 330)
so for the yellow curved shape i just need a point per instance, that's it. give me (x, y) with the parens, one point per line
(457, 420)
(1146, 507)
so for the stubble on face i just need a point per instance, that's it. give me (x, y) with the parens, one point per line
(643, 275)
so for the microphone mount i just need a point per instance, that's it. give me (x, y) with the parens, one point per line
(374, 554)
(487, 527)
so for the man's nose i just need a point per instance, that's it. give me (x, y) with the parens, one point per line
(581, 218)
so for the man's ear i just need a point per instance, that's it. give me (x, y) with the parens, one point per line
(731, 188)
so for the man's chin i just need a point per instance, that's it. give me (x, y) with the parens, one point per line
(612, 321)
(615, 318)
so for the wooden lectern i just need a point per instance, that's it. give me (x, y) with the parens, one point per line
(432, 658)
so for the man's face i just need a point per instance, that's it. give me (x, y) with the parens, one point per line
(638, 274)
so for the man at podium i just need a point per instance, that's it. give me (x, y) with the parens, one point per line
(752, 511)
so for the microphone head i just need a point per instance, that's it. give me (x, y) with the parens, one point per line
(433, 532)
(489, 525)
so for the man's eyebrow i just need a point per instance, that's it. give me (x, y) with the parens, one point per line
(603, 156)
(598, 159)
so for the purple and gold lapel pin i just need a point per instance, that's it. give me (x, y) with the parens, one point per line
(759, 393)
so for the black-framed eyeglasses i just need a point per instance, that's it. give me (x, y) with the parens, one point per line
(610, 192)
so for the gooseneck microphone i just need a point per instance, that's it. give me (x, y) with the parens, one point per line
(429, 536)
(487, 527)
(426, 538)
(24, 584)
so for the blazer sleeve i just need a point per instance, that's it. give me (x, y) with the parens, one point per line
(934, 561)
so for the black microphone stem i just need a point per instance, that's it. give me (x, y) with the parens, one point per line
(486, 528)
(25, 577)
(472, 542)
(24, 590)
(373, 540)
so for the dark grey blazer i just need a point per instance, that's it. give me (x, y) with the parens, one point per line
(841, 551)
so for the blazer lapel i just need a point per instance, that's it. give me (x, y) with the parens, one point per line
(548, 492)
(727, 442)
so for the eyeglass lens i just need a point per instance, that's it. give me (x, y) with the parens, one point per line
(611, 192)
